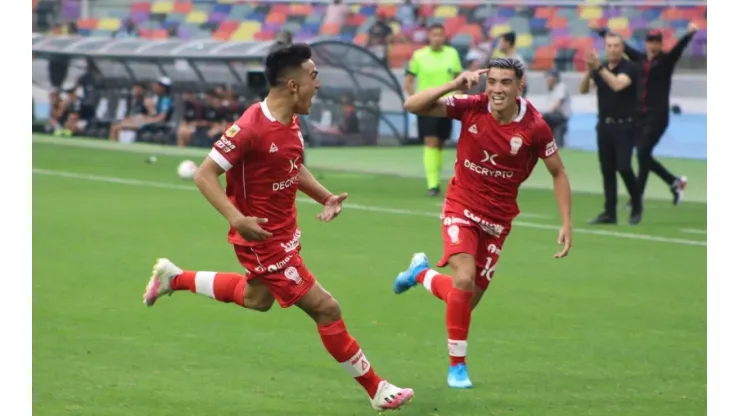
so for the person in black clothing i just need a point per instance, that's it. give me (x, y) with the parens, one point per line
(135, 110)
(214, 115)
(657, 71)
(616, 90)
(192, 114)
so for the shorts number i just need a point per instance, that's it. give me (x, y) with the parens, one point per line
(488, 269)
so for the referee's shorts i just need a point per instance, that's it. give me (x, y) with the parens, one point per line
(440, 127)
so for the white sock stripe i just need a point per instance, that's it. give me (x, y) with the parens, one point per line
(357, 366)
(204, 283)
(428, 279)
(457, 348)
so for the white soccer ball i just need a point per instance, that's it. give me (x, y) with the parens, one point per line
(187, 169)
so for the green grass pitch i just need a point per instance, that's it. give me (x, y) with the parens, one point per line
(617, 328)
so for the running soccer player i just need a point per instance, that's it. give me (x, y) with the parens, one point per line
(501, 139)
(262, 154)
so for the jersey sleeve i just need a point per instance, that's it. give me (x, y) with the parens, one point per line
(458, 105)
(543, 140)
(232, 147)
(412, 68)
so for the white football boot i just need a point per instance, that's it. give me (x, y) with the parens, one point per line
(390, 397)
(159, 284)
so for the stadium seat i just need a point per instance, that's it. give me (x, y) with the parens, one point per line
(183, 7)
(196, 16)
(110, 24)
(445, 11)
(142, 6)
(162, 7)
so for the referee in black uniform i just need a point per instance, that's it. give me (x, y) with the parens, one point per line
(655, 85)
(616, 90)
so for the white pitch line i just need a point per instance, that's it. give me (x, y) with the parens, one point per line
(693, 231)
(385, 210)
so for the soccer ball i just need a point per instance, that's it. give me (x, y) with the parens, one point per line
(187, 169)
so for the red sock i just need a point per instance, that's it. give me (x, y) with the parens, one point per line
(458, 324)
(348, 354)
(224, 287)
(438, 284)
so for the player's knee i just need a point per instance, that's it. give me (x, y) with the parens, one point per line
(262, 305)
(431, 141)
(327, 311)
(463, 266)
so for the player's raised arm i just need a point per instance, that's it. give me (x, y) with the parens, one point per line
(308, 184)
(561, 184)
(429, 102)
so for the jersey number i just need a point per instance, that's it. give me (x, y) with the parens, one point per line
(488, 269)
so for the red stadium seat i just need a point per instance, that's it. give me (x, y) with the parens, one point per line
(276, 17)
(182, 7)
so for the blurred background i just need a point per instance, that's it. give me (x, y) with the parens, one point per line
(110, 60)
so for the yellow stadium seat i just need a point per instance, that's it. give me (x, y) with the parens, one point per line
(445, 11)
(498, 30)
(196, 16)
(109, 23)
(523, 40)
(250, 26)
(242, 36)
(162, 7)
(395, 27)
(618, 23)
(594, 1)
(355, 8)
(588, 13)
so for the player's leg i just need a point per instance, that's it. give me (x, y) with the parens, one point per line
(224, 287)
(432, 152)
(608, 164)
(677, 184)
(625, 145)
(297, 286)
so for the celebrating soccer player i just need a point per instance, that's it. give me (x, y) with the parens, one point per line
(262, 154)
(501, 139)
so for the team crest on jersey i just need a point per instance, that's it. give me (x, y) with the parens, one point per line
(516, 144)
(232, 131)
(292, 274)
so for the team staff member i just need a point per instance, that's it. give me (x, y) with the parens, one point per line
(657, 73)
(433, 66)
(616, 90)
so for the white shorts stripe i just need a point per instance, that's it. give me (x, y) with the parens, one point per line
(220, 159)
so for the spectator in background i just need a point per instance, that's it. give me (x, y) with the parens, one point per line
(420, 33)
(557, 107)
(128, 30)
(407, 13)
(507, 48)
(58, 65)
(350, 123)
(192, 115)
(378, 37)
(136, 111)
(336, 13)
(158, 109)
(66, 115)
(214, 115)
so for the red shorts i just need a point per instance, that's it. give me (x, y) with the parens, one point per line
(284, 273)
(467, 232)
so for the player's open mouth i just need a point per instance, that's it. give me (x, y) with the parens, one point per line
(498, 99)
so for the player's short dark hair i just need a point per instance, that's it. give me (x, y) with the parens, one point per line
(436, 26)
(508, 63)
(509, 37)
(284, 58)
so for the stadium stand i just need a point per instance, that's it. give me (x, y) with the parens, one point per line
(548, 36)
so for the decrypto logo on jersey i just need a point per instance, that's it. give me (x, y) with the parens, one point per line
(488, 159)
(294, 165)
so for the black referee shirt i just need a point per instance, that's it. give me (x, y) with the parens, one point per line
(656, 74)
(621, 104)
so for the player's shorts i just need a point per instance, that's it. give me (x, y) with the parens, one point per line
(285, 275)
(440, 127)
(466, 232)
